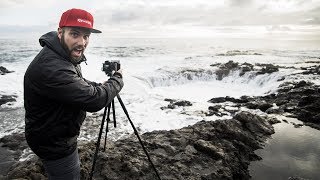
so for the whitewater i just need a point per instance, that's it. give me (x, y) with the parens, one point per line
(157, 69)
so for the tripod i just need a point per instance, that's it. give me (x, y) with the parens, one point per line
(108, 107)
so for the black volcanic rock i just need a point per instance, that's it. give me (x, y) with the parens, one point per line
(263, 106)
(176, 103)
(268, 69)
(15, 141)
(7, 98)
(225, 69)
(300, 99)
(243, 99)
(207, 150)
(312, 70)
(4, 70)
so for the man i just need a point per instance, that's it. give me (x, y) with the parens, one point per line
(56, 96)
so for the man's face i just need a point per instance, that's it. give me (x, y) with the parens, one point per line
(74, 40)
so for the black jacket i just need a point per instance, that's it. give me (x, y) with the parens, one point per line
(56, 98)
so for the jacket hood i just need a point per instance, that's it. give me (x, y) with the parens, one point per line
(52, 41)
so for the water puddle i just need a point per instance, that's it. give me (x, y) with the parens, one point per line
(291, 152)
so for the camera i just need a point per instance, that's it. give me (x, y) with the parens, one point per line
(109, 66)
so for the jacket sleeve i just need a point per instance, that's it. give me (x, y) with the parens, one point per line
(92, 83)
(62, 83)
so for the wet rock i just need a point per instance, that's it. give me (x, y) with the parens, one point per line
(312, 70)
(214, 108)
(29, 169)
(300, 99)
(268, 69)
(274, 120)
(4, 70)
(11, 148)
(297, 125)
(216, 64)
(16, 141)
(7, 98)
(243, 99)
(192, 74)
(176, 103)
(225, 69)
(207, 150)
(262, 105)
(273, 110)
(246, 67)
(218, 100)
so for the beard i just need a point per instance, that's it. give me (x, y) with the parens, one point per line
(69, 51)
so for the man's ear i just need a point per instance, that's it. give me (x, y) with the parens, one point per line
(59, 33)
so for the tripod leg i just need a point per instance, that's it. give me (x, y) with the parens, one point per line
(137, 134)
(114, 115)
(98, 143)
(107, 128)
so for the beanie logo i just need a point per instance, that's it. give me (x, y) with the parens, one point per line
(84, 21)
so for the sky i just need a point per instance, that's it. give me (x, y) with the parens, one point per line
(171, 18)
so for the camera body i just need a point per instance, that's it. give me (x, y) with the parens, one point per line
(109, 66)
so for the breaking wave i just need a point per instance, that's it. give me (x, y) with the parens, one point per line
(171, 78)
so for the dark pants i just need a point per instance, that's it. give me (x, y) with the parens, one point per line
(64, 168)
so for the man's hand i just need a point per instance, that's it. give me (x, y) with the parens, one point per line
(118, 73)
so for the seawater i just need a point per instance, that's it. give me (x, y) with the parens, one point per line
(290, 152)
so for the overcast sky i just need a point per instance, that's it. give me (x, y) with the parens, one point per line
(158, 18)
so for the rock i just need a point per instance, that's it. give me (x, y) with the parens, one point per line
(274, 120)
(216, 64)
(15, 141)
(300, 99)
(7, 98)
(214, 108)
(175, 103)
(4, 70)
(262, 105)
(297, 125)
(312, 70)
(243, 99)
(207, 150)
(217, 100)
(246, 67)
(225, 69)
(11, 148)
(268, 69)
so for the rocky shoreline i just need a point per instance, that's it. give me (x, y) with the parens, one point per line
(219, 149)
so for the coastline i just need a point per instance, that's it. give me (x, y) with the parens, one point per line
(219, 149)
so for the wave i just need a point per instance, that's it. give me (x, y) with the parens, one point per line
(238, 52)
(122, 51)
(183, 76)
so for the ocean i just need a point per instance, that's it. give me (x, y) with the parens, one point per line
(156, 69)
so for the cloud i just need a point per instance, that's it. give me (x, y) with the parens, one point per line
(240, 3)
(146, 15)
